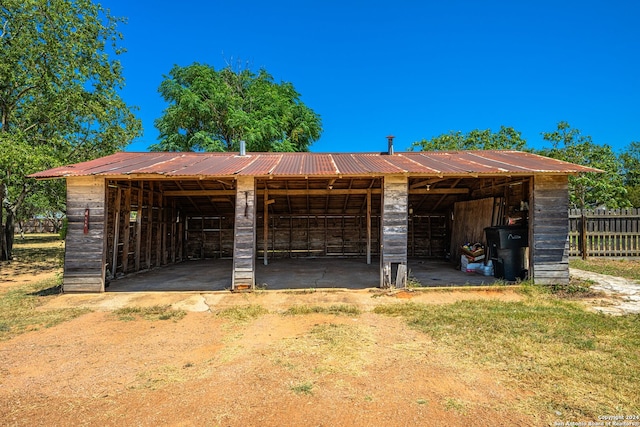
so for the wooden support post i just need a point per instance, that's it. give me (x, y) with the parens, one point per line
(174, 241)
(265, 224)
(244, 241)
(159, 230)
(150, 201)
(116, 232)
(127, 229)
(583, 235)
(394, 230)
(139, 229)
(369, 227)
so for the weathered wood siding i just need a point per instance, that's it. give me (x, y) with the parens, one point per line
(143, 230)
(85, 249)
(209, 237)
(550, 230)
(394, 231)
(427, 234)
(244, 242)
(293, 236)
(470, 218)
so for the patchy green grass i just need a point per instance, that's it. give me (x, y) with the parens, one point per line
(577, 363)
(243, 313)
(344, 309)
(37, 253)
(302, 388)
(629, 269)
(18, 309)
(156, 312)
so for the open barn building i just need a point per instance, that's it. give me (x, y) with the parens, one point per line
(135, 212)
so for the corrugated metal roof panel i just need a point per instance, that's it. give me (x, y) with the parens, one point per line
(376, 163)
(319, 164)
(442, 162)
(348, 165)
(405, 161)
(260, 165)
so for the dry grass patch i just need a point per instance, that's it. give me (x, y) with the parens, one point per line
(326, 349)
(156, 312)
(339, 309)
(576, 363)
(18, 309)
(243, 313)
(629, 269)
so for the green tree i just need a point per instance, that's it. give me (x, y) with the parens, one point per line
(631, 168)
(506, 138)
(213, 110)
(588, 190)
(59, 100)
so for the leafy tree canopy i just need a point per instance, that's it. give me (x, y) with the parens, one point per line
(631, 167)
(506, 138)
(631, 164)
(588, 190)
(213, 110)
(59, 100)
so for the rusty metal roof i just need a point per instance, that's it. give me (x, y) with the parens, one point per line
(491, 162)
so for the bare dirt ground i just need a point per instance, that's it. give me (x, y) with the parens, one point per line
(274, 370)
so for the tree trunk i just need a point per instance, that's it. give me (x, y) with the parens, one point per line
(4, 253)
(7, 231)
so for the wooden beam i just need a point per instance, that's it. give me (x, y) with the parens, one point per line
(439, 191)
(425, 182)
(321, 192)
(195, 193)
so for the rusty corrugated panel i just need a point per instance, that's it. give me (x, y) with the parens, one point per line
(170, 164)
(348, 165)
(441, 162)
(376, 163)
(290, 164)
(491, 163)
(131, 163)
(230, 166)
(533, 162)
(318, 164)
(467, 162)
(118, 163)
(406, 162)
(260, 165)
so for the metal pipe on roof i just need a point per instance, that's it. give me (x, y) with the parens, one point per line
(390, 141)
(243, 148)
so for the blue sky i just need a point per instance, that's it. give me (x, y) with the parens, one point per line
(414, 69)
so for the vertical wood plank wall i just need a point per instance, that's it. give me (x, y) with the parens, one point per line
(85, 253)
(549, 239)
(394, 231)
(470, 218)
(150, 238)
(244, 242)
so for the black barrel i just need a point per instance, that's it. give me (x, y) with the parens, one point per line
(506, 250)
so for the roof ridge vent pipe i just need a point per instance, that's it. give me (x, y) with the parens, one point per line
(243, 148)
(390, 140)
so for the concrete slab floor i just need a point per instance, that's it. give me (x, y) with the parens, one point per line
(307, 273)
